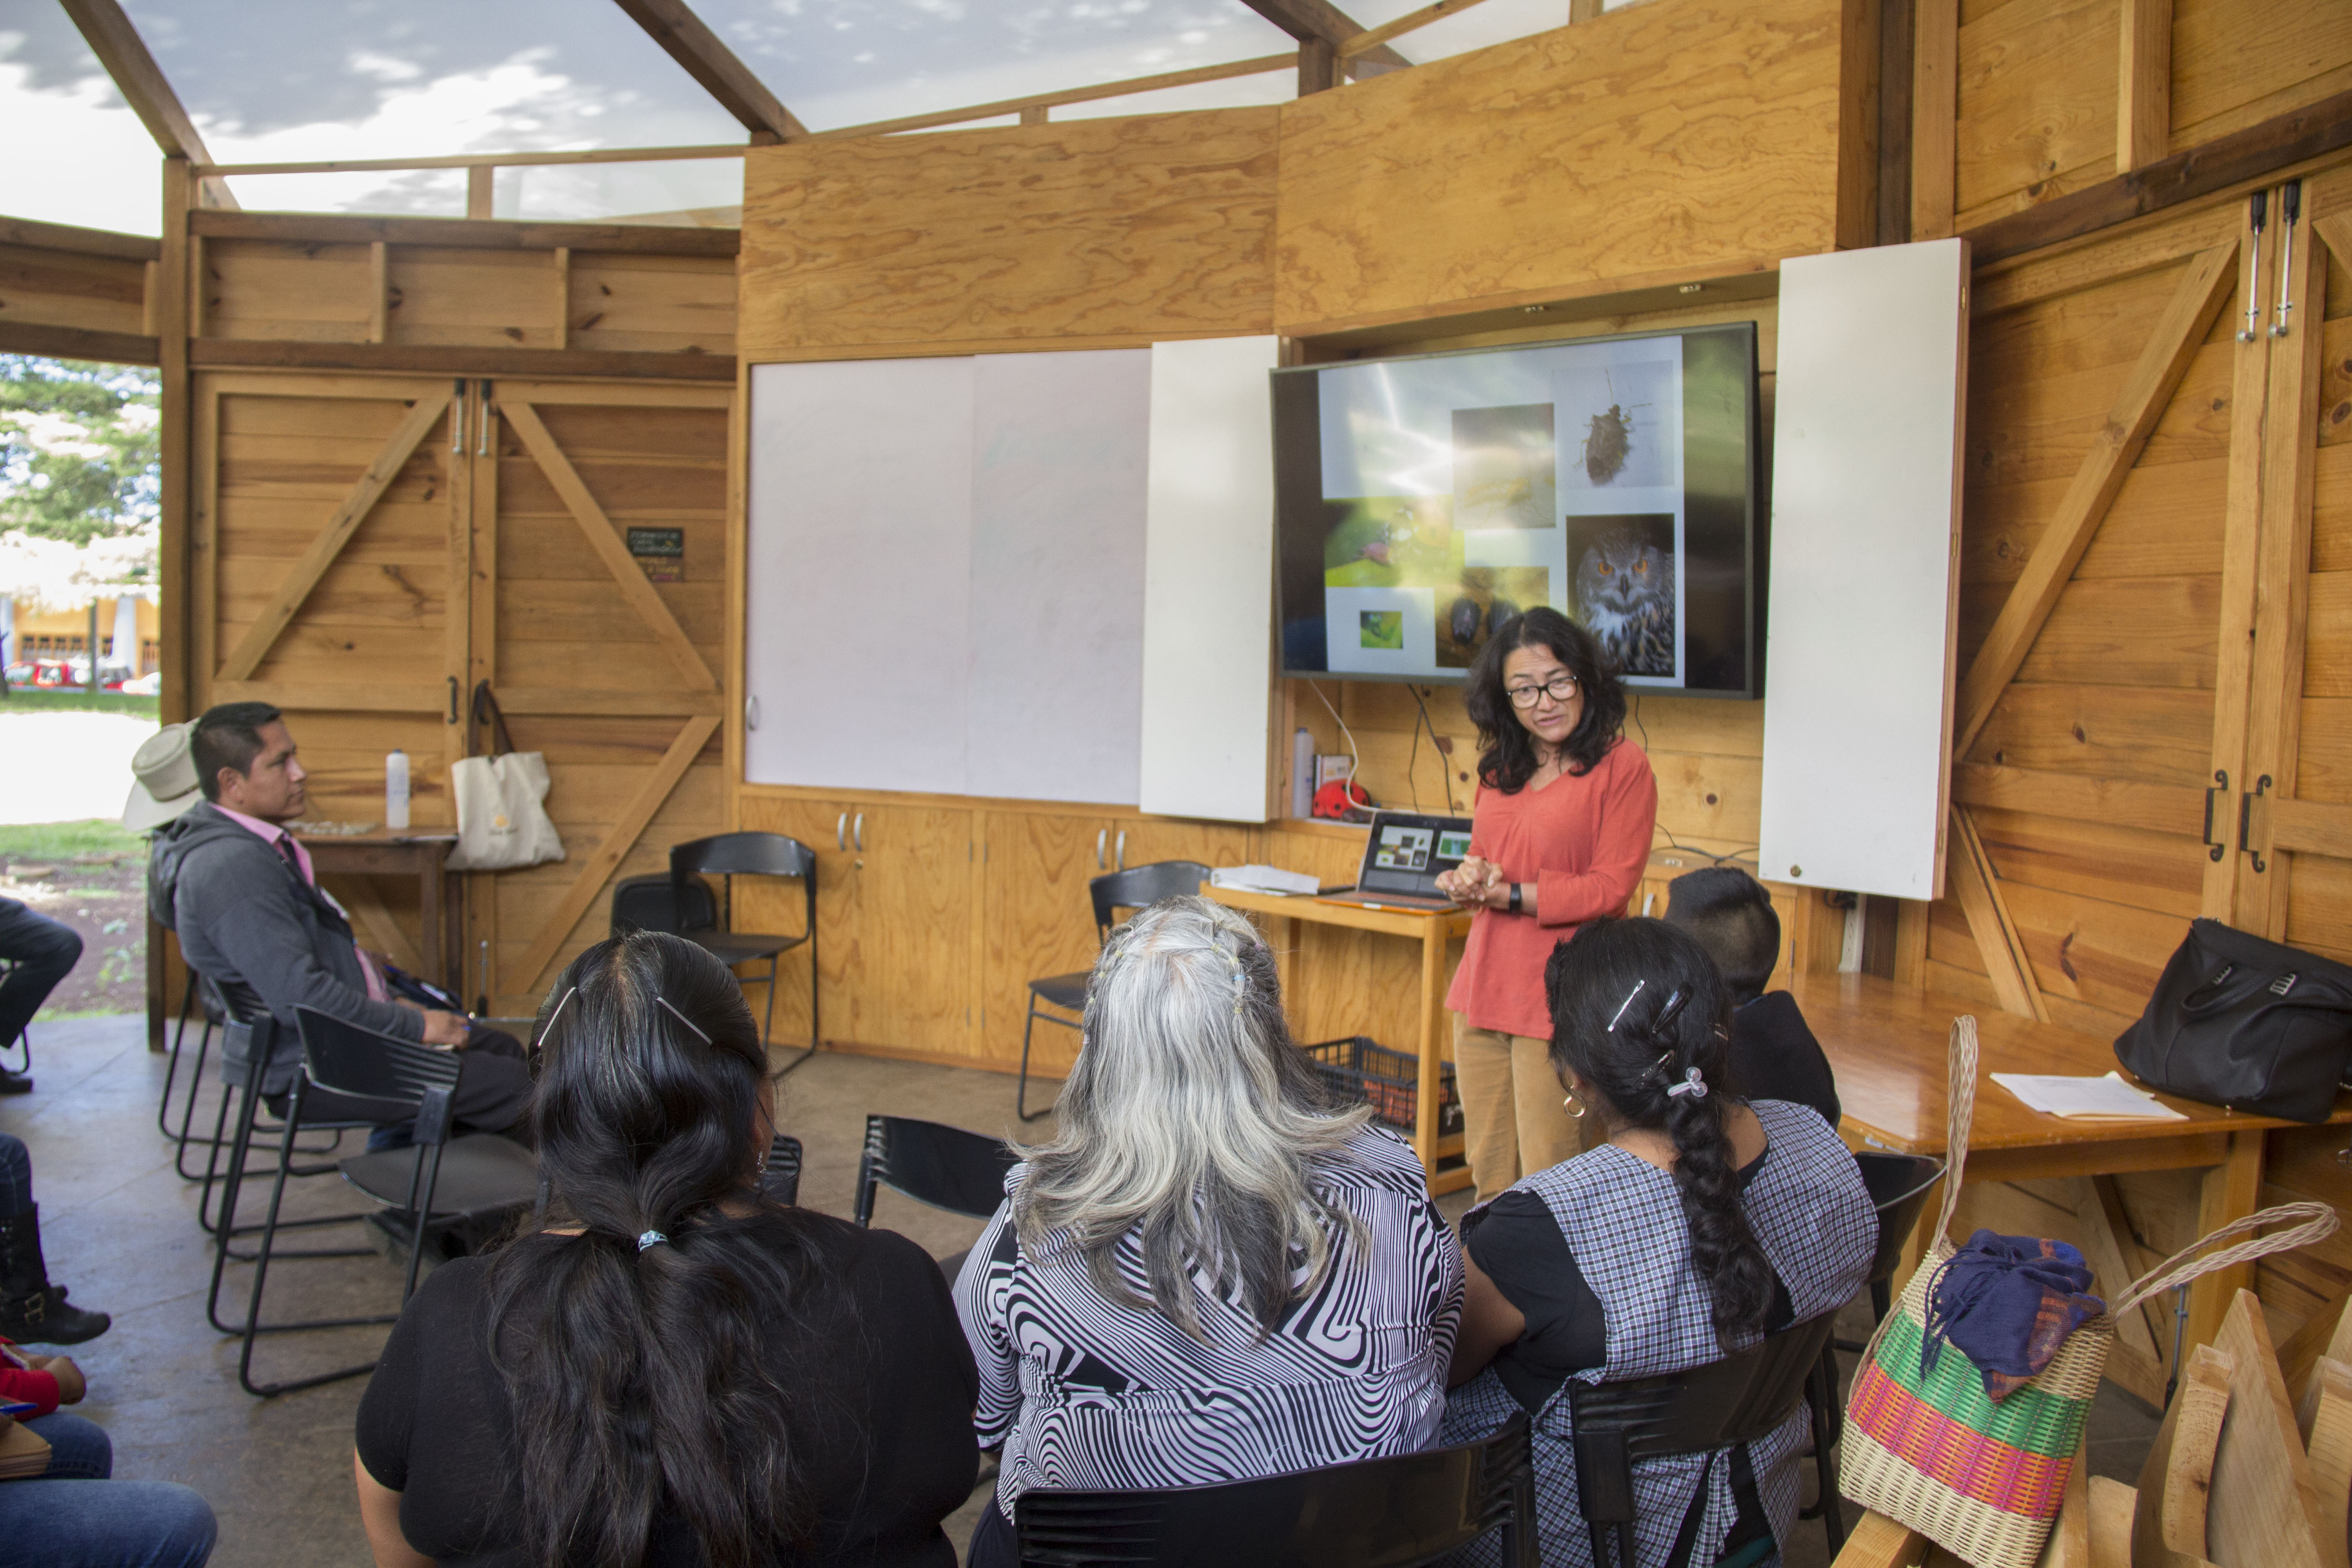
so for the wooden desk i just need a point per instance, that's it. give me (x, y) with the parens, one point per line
(1889, 1048)
(423, 856)
(1433, 931)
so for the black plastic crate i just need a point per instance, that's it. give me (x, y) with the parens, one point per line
(1357, 1068)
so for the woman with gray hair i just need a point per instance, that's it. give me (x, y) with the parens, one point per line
(1212, 1271)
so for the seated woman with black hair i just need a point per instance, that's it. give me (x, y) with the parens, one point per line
(1702, 1225)
(674, 1369)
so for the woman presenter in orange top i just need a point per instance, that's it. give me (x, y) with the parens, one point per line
(1559, 835)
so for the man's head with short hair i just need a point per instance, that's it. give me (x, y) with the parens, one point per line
(1732, 916)
(245, 761)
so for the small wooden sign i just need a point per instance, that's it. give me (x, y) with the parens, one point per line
(660, 552)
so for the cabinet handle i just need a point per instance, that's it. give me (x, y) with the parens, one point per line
(1102, 840)
(841, 833)
(457, 417)
(484, 450)
(857, 832)
(1122, 848)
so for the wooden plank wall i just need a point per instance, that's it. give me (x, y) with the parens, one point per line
(75, 292)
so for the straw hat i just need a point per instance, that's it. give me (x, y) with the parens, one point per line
(166, 779)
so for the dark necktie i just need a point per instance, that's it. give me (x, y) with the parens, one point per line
(284, 845)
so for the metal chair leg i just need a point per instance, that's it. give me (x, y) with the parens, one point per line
(254, 1327)
(172, 1068)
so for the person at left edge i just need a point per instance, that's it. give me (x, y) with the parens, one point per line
(246, 902)
(40, 952)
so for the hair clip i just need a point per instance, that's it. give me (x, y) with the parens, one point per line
(1675, 1002)
(1613, 1017)
(653, 1238)
(549, 1029)
(681, 1017)
(1692, 1085)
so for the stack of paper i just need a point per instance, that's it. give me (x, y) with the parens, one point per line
(2107, 1099)
(1263, 879)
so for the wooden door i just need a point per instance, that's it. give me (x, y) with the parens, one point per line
(599, 618)
(2112, 413)
(328, 525)
(2293, 872)
(779, 906)
(910, 967)
(1037, 920)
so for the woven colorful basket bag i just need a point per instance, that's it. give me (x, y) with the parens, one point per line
(1933, 1451)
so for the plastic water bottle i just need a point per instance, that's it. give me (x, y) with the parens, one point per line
(395, 790)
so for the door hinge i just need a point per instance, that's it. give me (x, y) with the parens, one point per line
(2215, 848)
(2245, 812)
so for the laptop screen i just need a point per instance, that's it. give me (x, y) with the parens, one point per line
(1407, 851)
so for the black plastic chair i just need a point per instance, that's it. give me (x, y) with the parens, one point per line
(658, 903)
(1132, 889)
(731, 855)
(783, 1180)
(1737, 1399)
(946, 1167)
(349, 1072)
(1394, 1513)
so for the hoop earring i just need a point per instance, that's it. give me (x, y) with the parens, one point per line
(1574, 1107)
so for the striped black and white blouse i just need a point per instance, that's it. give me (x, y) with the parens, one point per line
(1085, 1392)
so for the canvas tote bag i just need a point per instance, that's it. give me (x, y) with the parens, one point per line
(502, 824)
(1934, 1452)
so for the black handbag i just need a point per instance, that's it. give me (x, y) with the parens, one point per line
(2245, 1022)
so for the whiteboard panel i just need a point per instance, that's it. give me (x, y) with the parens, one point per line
(857, 643)
(1865, 567)
(1208, 613)
(1057, 504)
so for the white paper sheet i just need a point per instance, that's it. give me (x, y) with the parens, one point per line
(2107, 1099)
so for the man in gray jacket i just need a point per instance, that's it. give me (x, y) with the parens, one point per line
(242, 895)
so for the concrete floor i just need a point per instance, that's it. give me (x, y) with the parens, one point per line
(121, 1230)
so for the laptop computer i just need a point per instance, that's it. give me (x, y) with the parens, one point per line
(1403, 854)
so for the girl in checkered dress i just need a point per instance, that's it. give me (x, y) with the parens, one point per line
(1702, 1225)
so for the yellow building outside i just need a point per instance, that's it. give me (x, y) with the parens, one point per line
(27, 634)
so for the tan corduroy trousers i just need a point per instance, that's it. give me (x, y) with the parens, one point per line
(1513, 1121)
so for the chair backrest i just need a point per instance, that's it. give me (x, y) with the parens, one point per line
(662, 903)
(742, 855)
(1374, 1513)
(783, 1180)
(1898, 1186)
(250, 1034)
(932, 1163)
(391, 1076)
(1139, 886)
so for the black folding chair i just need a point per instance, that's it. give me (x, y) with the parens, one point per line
(1132, 889)
(1700, 1410)
(783, 1180)
(731, 855)
(946, 1167)
(354, 1073)
(1394, 1513)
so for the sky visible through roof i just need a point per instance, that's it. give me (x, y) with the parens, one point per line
(304, 80)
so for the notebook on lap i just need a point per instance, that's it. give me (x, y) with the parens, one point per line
(1403, 854)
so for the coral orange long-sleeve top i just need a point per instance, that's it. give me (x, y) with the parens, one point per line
(1583, 841)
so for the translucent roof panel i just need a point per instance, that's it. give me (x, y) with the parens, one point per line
(307, 80)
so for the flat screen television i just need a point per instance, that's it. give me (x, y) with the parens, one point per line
(1421, 502)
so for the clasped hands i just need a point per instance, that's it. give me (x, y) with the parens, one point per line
(1475, 884)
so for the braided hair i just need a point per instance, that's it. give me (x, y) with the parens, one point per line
(1640, 1015)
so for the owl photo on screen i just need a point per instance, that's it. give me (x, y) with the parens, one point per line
(1625, 597)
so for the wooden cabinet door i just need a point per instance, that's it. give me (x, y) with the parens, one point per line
(913, 872)
(1037, 920)
(765, 905)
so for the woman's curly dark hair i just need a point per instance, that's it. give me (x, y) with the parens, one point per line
(1678, 1018)
(1507, 752)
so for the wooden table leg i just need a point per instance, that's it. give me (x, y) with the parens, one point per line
(1432, 1007)
(433, 942)
(2232, 1190)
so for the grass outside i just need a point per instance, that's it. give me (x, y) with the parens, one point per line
(76, 699)
(69, 840)
(93, 876)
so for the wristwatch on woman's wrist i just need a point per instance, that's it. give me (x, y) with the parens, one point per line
(1514, 898)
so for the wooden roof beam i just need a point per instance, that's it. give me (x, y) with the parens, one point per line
(1319, 24)
(689, 41)
(123, 53)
